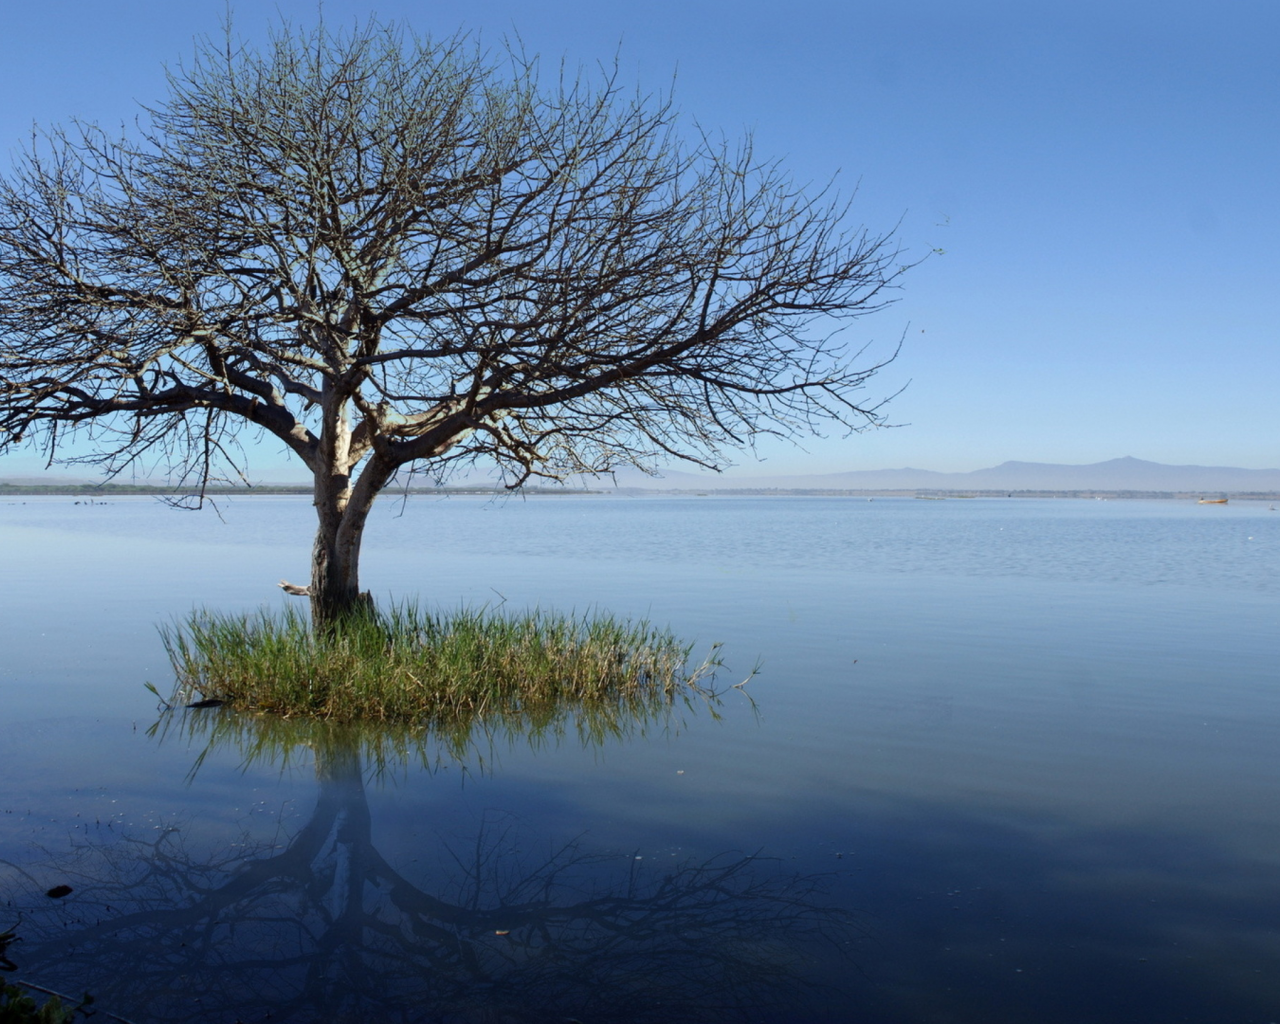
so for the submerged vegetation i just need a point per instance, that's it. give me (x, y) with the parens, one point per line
(19, 1006)
(443, 670)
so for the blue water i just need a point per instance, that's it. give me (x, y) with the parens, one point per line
(1009, 760)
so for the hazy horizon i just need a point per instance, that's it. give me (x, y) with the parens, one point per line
(630, 476)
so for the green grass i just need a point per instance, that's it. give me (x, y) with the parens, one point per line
(444, 670)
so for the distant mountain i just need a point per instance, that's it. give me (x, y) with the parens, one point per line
(1127, 474)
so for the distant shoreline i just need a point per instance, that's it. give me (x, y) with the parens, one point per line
(144, 490)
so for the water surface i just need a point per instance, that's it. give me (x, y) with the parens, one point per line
(1013, 760)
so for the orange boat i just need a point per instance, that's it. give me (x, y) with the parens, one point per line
(1213, 501)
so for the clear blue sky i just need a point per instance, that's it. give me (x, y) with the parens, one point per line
(1102, 176)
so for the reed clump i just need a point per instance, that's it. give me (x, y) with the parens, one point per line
(408, 665)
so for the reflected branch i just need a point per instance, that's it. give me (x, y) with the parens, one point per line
(315, 924)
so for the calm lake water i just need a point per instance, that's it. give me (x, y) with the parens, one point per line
(1010, 760)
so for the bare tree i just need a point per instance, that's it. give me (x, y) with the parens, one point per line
(391, 253)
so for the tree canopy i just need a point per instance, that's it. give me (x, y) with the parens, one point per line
(391, 252)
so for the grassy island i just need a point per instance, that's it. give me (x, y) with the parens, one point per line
(407, 665)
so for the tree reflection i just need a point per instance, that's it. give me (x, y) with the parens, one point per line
(318, 925)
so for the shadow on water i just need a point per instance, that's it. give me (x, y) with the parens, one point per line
(315, 923)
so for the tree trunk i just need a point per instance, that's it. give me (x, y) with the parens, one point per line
(335, 555)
